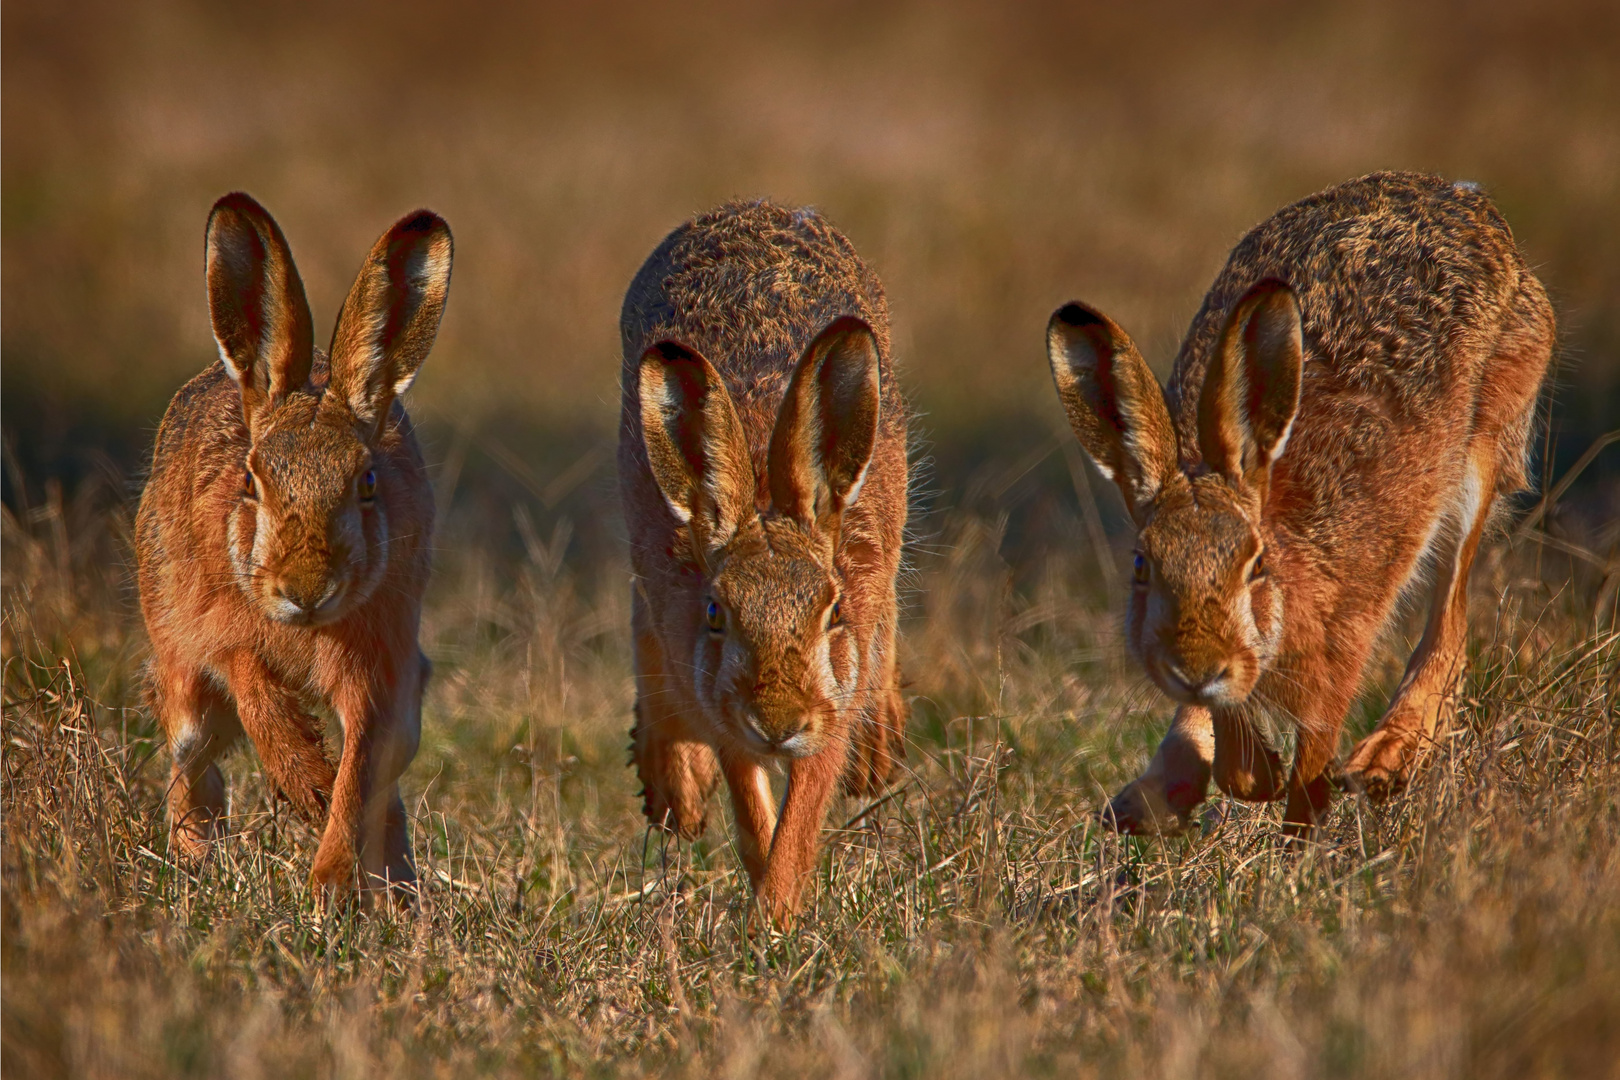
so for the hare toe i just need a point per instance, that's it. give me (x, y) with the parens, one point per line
(333, 875)
(1146, 808)
(192, 837)
(1377, 767)
(688, 825)
(1247, 768)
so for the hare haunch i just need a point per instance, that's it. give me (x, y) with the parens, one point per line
(1350, 405)
(762, 463)
(283, 541)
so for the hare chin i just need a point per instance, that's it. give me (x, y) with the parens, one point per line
(801, 744)
(284, 611)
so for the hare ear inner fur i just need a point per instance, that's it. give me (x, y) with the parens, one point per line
(1113, 402)
(827, 425)
(1251, 389)
(256, 304)
(391, 316)
(695, 445)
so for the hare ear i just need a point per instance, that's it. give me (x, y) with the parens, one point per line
(827, 425)
(695, 445)
(391, 316)
(256, 303)
(1114, 403)
(1251, 389)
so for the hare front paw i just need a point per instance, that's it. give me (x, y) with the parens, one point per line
(1147, 808)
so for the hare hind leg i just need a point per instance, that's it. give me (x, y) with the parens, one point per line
(385, 837)
(678, 770)
(198, 725)
(1427, 695)
(1426, 698)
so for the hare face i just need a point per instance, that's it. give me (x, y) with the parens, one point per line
(774, 661)
(307, 536)
(774, 665)
(1205, 616)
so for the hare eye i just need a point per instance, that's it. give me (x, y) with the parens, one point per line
(835, 615)
(368, 485)
(1140, 569)
(1258, 570)
(716, 617)
(247, 483)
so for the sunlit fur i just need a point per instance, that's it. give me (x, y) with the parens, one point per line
(275, 575)
(775, 677)
(307, 548)
(753, 289)
(1204, 625)
(1352, 401)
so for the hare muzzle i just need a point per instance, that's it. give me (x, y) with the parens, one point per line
(314, 538)
(779, 698)
(1204, 614)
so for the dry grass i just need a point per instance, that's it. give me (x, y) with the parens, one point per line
(975, 923)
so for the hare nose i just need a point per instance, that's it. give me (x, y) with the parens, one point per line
(777, 726)
(1198, 681)
(297, 597)
(306, 592)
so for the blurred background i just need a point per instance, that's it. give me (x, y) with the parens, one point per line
(989, 160)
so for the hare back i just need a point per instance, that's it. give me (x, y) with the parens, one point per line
(1406, 283)
(190, 593)
(749, 285)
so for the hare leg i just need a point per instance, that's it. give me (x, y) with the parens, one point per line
(1309, 789)
(198, 725)
(1319, 715)
(1162, 799)
(287, 738)
(751, 798)
(397, 865)
(1503, 413)
(811, 782)
(385, 831)
(1246, 767)
(381, 714)
(879, 744)
(678, 771)
(1427, 696)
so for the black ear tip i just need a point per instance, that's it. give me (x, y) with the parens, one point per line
(1075, 314)
(670, 351)
(239, 201)
(422, 221)
(1271, 286)
(848, 324)
(235, 210)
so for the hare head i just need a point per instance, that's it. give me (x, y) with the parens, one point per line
(310, 531)
(774, 663)
(1205, 615)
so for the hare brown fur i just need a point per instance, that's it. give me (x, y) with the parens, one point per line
(283, 542)
(1351, 404)
(762, 463)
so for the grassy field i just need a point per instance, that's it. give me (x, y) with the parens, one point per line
(991, 161)
(977, 922)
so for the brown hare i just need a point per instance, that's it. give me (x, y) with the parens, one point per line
(283, 542)
(762, 463)
(1351, 404)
